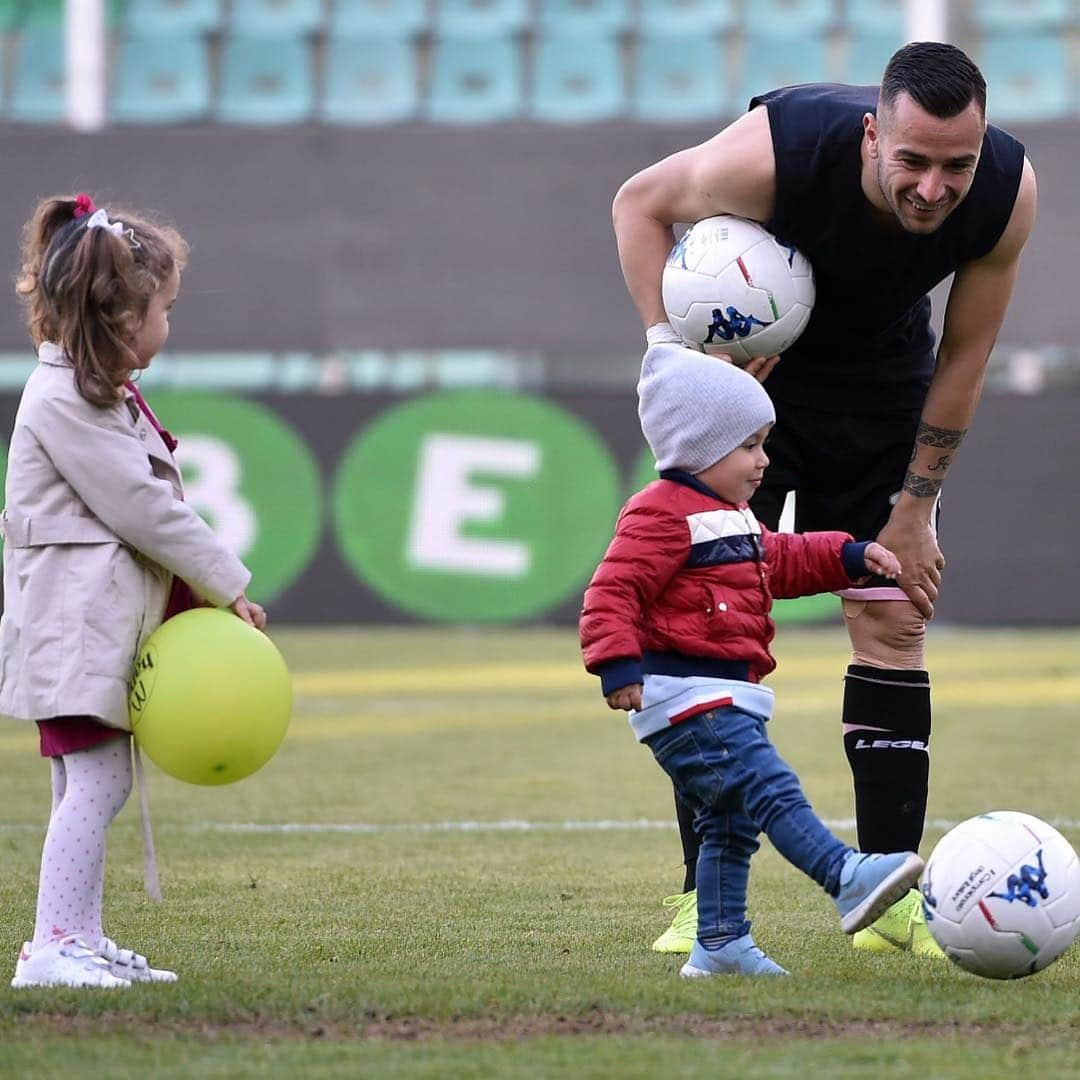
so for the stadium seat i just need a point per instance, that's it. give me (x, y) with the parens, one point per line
(1020, 16)
(865, 56)
(481, 17)
(11, 12)
(684, 17)
(265, 80)
(582, 16)
(161, 80)
(382, 18)
(771, 62)
(173, 16)
(474, 80)
(369, 80)
(788, 17)
(28, 12)
(257, 17)
(678, 79)
(875, 17)
(37, 93)
(1027, 77)
(577, 79)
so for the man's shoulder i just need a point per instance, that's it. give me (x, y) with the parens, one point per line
(1001, 150)
(984, 215)
(827, 103)
(818, 123)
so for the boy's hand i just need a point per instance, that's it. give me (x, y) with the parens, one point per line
(881, 561)
(665, 334)
(626, 697)
(760, 367)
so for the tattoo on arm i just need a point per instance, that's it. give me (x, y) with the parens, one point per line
(925, 487)
(921, 487)
(928, 435)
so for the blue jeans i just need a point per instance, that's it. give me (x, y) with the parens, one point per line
(728, 772)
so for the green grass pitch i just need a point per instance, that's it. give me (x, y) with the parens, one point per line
(454, 867)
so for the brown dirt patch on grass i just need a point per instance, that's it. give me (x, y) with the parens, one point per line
(389, 1028)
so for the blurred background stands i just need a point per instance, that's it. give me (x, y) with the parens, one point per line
(472, 62)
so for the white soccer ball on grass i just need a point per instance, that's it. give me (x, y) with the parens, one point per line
(1001, 893)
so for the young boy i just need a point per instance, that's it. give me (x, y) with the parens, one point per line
(676, 624)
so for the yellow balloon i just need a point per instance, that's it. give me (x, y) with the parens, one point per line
(210, 697)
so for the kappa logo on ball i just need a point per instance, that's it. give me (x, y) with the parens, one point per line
(1031, 879)
(732, 326)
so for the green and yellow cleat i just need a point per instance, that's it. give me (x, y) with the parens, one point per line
(922, 941)
(680, 936)
(901, 929)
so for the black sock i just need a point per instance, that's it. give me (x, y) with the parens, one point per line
(890, 767)
(691, 844)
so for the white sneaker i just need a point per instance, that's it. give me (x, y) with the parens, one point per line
(66, 962)
(133, 966)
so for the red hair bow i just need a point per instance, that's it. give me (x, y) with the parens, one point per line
(83, 205)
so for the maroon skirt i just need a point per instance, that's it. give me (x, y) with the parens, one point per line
(65, 734)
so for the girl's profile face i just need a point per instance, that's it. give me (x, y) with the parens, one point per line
(151, 336)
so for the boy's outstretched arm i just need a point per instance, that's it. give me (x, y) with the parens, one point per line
(802, 564)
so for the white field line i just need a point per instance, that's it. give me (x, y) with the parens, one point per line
(559, 677)
(508, 825)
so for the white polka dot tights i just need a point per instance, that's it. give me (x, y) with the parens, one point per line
(88, 789)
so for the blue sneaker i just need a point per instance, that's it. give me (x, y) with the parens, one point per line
(869, 884)
(738, 957)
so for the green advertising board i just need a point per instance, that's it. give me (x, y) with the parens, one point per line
(459, 506)
(252, 478)
(475, 506)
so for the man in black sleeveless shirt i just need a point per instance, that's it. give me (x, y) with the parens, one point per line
(886, 195)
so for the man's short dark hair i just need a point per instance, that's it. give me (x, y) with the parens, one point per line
(938, 77)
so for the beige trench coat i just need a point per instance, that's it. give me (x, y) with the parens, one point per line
(94, 528)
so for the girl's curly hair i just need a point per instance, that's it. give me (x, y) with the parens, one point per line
(87, 290)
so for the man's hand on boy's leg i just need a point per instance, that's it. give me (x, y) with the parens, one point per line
(913, 541)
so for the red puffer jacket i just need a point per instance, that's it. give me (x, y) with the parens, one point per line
(688, 573)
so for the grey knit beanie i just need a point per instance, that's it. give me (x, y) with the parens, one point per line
(695, 409)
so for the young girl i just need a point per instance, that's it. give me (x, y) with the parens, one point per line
(95, 528)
